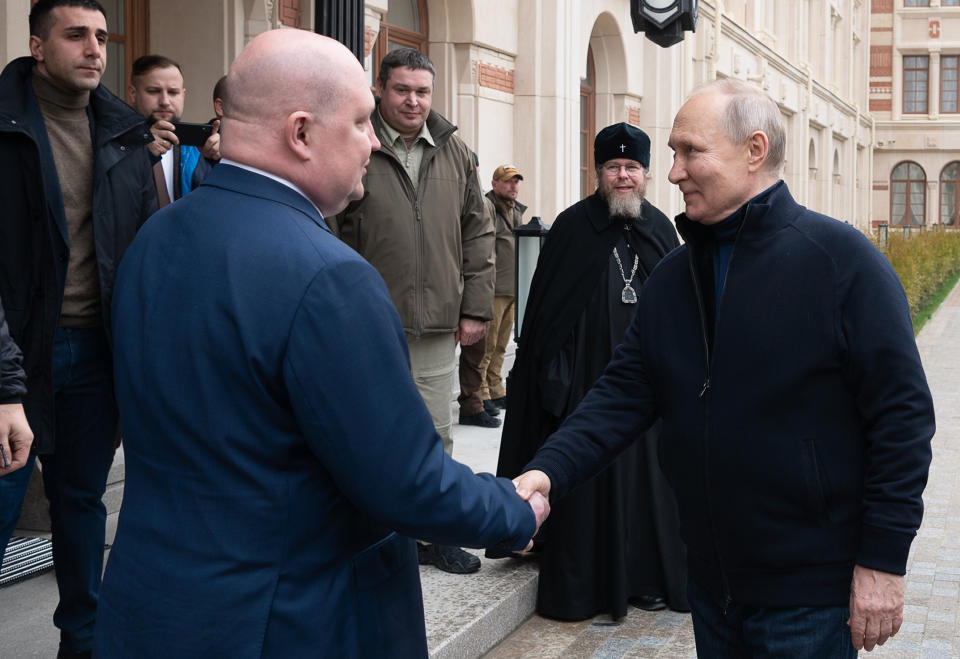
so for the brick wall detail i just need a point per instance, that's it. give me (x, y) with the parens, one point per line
(290, 12)
(633, 116)
(881, 61)
(494, 77)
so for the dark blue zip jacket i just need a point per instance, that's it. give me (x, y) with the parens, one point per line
(797, 436)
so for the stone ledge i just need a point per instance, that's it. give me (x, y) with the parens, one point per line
(467, 615)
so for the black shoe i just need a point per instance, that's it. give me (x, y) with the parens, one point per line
(448, 559)
(649, 602)
(490, 408)
(500, 402)
(482, 419)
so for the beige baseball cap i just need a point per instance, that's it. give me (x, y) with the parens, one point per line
(506, 172)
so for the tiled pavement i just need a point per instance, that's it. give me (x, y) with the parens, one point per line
(931, 628)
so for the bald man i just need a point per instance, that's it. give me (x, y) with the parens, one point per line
(276, 445)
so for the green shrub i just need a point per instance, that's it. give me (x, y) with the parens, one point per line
(924, 262)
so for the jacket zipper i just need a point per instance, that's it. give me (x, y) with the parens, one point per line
(705, 396)
(418, 234)
(419, 291)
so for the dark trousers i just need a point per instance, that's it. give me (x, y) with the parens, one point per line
(755, 632)
(471, 378)
(75, 477)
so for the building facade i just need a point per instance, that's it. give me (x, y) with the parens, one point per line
(531, 81)
(914, 53)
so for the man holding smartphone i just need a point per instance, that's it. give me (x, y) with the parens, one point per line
(156, 91)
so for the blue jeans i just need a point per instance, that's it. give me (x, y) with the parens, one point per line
(74, 478)
(754, 632)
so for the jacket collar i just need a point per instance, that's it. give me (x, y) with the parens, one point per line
(245, 182)
(492, 196)
(439, 128)
(760, 218)
(112, 118)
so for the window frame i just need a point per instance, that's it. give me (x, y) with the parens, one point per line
(389, 32)
(922, 182)
(956, 83)
(955, 219)
(926, 83)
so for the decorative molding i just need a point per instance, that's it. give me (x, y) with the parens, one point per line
(494, 77)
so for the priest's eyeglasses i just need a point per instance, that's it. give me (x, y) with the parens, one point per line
(614, 170)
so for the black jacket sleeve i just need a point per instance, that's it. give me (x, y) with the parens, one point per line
(13, 381)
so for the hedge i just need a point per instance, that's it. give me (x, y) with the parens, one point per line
(925, 262)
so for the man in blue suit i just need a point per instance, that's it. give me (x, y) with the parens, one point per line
(276, 445)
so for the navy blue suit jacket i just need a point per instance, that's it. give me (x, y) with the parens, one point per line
(274, 441)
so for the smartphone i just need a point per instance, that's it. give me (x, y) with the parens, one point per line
(192, 134)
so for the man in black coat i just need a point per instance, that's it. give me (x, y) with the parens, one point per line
(778, 351)
(615, 539)
(76, 185)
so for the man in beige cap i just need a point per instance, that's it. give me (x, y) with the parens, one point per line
(482, 394)
(507, 213)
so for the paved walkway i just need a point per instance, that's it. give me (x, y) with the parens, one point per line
(931, 626)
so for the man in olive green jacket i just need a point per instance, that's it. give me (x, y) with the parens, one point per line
(507, 213)
(422, 225)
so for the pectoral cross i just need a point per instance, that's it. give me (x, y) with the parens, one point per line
(623, 148)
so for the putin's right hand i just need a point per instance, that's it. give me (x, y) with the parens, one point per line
(530, 482)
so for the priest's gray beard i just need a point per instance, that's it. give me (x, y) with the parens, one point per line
(623, 206)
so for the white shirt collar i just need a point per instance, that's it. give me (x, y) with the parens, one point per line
(278, 179)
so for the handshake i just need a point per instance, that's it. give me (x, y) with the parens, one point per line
(534, 488)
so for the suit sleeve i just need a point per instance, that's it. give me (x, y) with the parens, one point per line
(362, 416)
(477, 235)
(13, 381)
(884, 372)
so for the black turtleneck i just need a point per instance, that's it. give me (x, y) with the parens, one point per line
(724, 235)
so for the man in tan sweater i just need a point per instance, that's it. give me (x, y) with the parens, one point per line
(76, 185)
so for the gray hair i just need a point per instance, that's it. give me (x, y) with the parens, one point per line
(749, 109)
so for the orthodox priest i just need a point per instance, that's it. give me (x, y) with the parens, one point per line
(614, 540)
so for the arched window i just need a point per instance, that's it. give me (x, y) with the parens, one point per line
(950, 194)
(907, 198)
(405, 25)
(588, 128)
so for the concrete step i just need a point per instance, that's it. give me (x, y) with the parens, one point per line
(468, 614)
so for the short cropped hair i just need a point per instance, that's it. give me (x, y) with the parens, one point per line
(41, 21)
(750, 109)
(408, 57)
(220, 89)
(146, 63)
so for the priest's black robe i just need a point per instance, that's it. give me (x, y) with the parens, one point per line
(614, 537)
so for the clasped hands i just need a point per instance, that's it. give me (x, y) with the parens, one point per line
(534, 488)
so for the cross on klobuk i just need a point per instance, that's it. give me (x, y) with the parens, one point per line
(623, 147)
